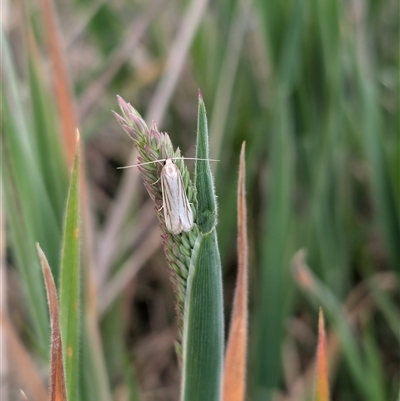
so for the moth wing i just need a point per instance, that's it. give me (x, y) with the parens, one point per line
(187, 215)
(177, 211)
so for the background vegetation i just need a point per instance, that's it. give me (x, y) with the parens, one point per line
(313, 89)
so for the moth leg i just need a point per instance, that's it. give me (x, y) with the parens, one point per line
(155, 182)
(159, 210)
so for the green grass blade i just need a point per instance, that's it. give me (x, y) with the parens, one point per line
(70, 283)
(203, 325)
(272, 306)
(207, 205)
(387, 210)
(24, 197)
(290, 58)
(116, 352)
(93, 381)
(23, 250)
(33, 147)
(374, 362)
(24, 163)
(51, 159)
(320, 294)
(388, 307)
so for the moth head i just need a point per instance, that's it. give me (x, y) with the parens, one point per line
(169, 165)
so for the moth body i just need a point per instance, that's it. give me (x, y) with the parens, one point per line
(177, 210)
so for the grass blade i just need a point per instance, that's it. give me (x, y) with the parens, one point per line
(51, 157)
(203, 326)
(63, 93)
(234, 386)
(321, 390)
(192, 256)
(70, 282)
(207, 205)
(358, 367)
(176, 58)
(23, 396)
(57, 377)
(24, 196)
(26, 373)
(272, 307)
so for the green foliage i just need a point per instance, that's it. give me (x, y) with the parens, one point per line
(28, 199)
(313, 88)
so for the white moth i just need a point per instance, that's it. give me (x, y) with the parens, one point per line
(178, 213)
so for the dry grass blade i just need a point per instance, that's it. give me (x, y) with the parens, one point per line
(359, 305)
(26, 374)
(127, 272)
(321, 390)
(176, 59)
(156, 111)
(223, 96)
(57, 378)
(234, 385)
(23, 396)
(3, 307)
(69, 120)
(135, 33)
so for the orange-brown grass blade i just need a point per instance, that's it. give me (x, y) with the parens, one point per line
(234, 385)
(57, 378)
(64, 99)
(321, 387)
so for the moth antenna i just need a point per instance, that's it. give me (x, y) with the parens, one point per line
(195, 158)
(141, 164)
(163, 160)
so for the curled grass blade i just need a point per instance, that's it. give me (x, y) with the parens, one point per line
(57, 377)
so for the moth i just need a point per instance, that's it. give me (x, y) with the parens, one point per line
(178, 212)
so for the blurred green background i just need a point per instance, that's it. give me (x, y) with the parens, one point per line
(313, 89)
